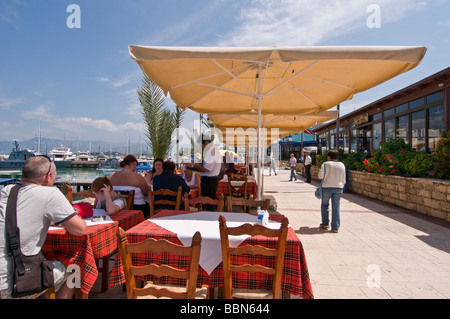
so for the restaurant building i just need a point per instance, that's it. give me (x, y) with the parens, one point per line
(418, 114)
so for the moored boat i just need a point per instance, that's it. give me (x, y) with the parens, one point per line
(62, 156)
(17, 157)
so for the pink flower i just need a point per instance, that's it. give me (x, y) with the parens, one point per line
(431, 173)
(392, 166)
(403, 151)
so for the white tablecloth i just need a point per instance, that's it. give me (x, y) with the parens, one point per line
(207, 223)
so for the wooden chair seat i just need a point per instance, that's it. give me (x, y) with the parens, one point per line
(238, 293)
(227, 252)
(200, 293)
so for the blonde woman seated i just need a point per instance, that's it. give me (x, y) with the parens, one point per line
(105, 197)
(127, 179)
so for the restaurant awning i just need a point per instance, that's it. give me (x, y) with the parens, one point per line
(271, 80)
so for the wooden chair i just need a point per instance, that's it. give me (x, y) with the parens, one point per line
(166, 192)
(228, 252)
(188, 291)
(247, 203)
(48, 293)
(237, 185)
(201, 200)
(130, 197)
(67, 190)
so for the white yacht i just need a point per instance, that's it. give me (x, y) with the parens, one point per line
(62, 156)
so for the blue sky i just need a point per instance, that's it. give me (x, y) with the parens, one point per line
(81, 83)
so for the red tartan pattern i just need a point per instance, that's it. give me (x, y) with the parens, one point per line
(99, 241)
(222, 188)
(128, 218)
(295, 279)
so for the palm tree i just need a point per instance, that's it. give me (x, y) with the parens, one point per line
(161, 122)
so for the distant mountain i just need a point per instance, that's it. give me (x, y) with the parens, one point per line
(94, 146)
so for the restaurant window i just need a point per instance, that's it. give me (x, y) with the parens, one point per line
(401, 108)
(346, 142)
(435, 125)
(323, 142)
(389, 130)
(332, 141)
(418, 131)
(376, 117)
(417, 103)
(403, 128)
(376, 136)
(389, 112)
(438, 96)
(353, 140)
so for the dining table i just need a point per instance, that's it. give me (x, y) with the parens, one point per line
(99, 242)
(252, 189)
(179, 226)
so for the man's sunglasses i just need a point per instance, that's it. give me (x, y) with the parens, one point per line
(50, 165)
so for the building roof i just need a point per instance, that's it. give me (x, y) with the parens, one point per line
(440, 79)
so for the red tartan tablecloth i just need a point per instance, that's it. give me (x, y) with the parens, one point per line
(99, 241)
(295, 279)
(252, 189)
(128, 218)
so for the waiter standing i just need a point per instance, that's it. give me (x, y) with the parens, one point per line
(209, 170)
(308, 163)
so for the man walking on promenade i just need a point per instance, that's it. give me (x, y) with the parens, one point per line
(293, 164)
(308, 163)
(272, 166)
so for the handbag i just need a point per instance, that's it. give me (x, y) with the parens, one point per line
(32, 274)
(318, 192)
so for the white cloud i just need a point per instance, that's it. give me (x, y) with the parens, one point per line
(6, 102)
(81, 124)
(304, 22)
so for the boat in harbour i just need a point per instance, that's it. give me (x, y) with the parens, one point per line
(62, 156)
(85, 156)
(17, 157)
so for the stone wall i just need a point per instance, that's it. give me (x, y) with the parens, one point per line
(427, 196)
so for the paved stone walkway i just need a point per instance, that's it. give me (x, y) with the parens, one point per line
(381, 251)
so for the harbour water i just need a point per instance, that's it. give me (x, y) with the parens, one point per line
(77, 174)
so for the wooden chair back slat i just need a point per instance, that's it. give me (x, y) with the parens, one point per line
(204, 200)
(247, 203)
